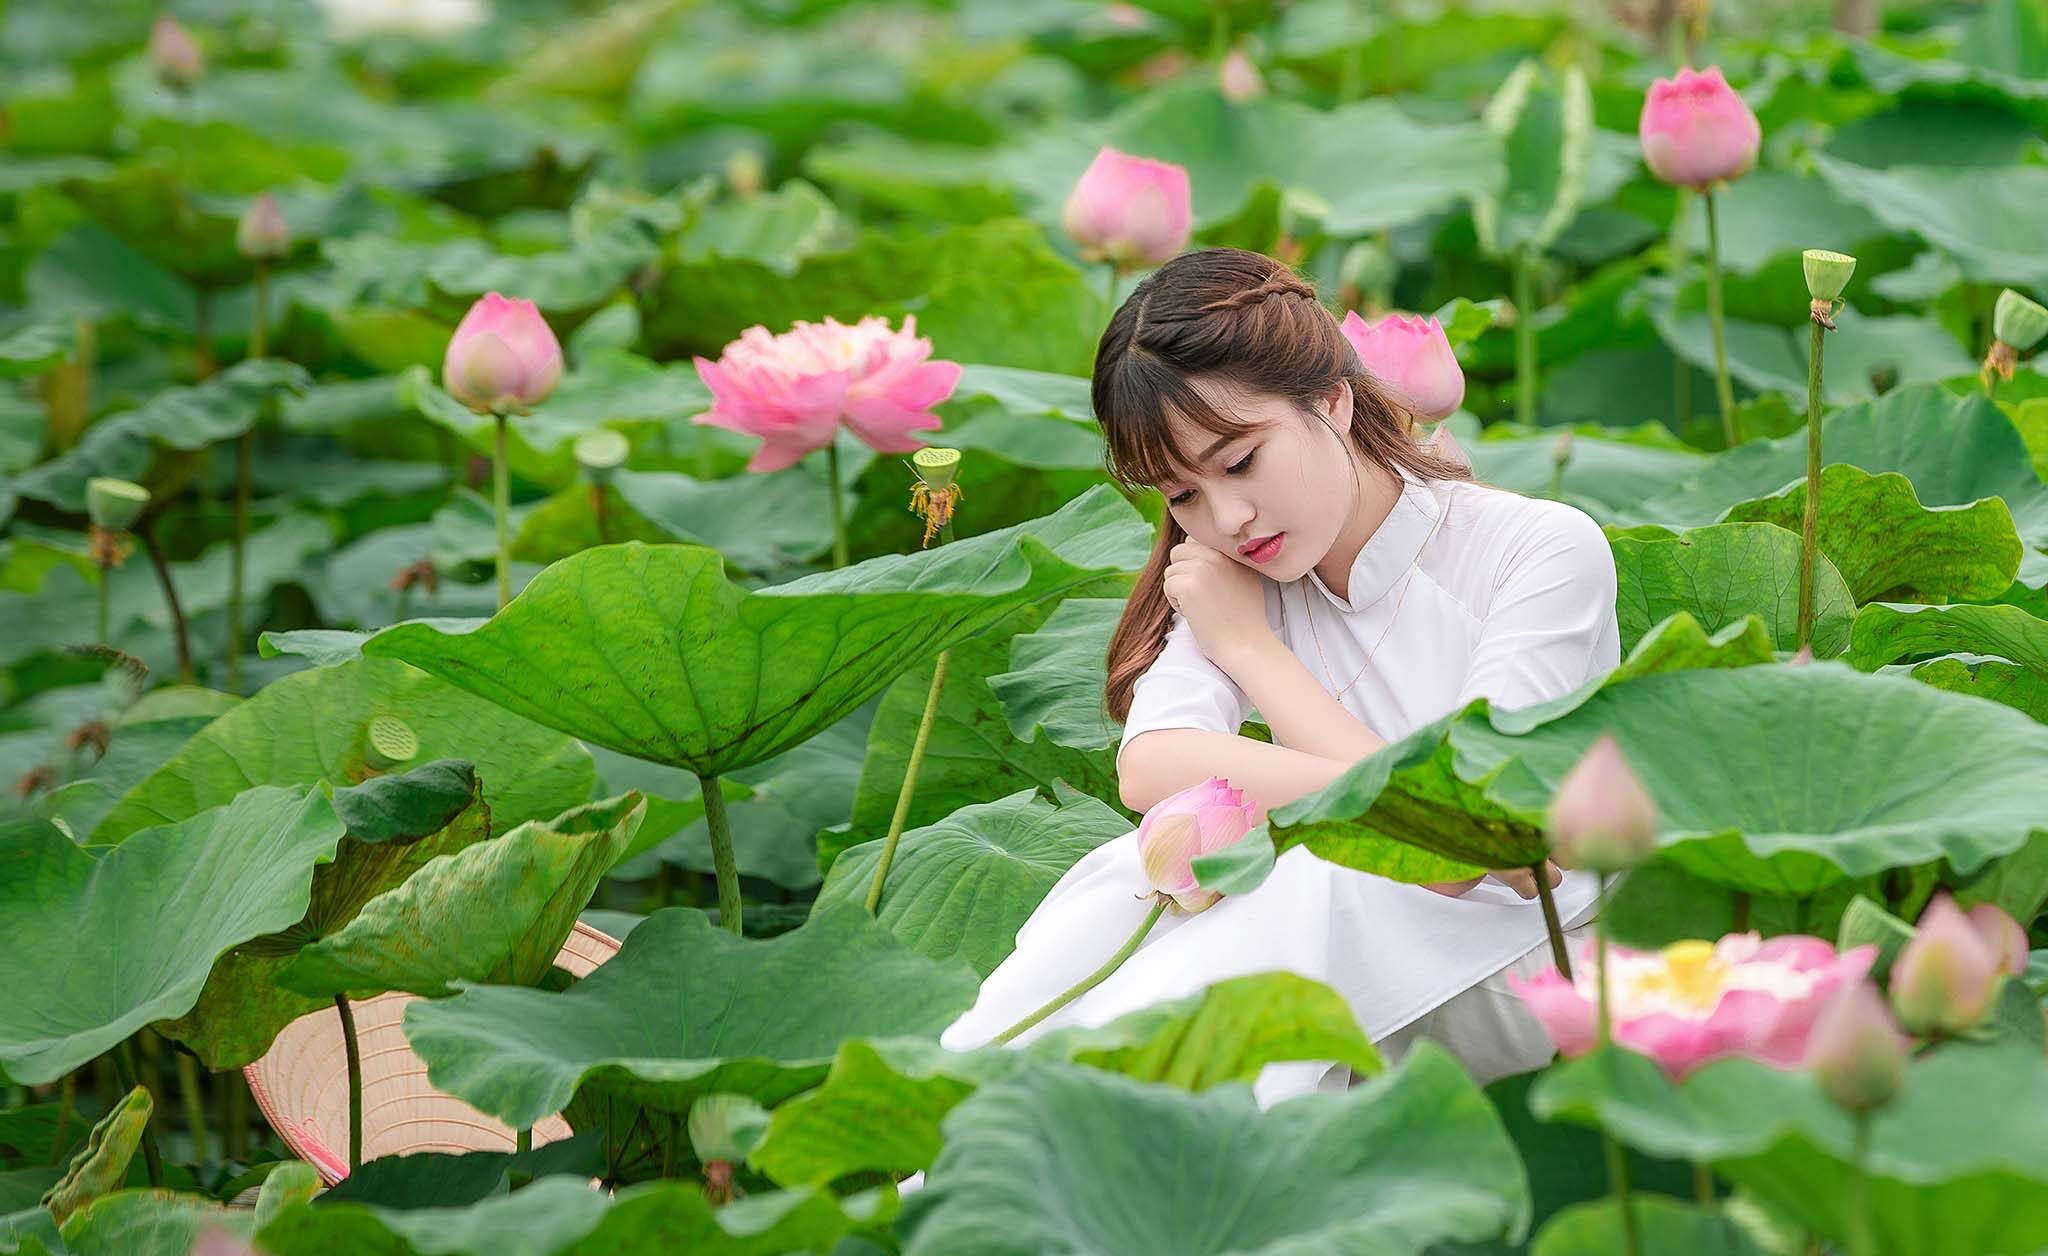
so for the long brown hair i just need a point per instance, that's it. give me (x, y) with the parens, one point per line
(1238, 318)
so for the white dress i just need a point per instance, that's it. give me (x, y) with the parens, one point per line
(1499, 595)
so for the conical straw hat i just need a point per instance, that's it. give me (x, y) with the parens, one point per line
(301, 1083)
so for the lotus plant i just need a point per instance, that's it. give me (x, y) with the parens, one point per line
(1858, 1056)
(1178, 829)
(1129, 212)
(1412, 356)
(113, 506)
(1827, 273)
(601, 452)
(503, 360)
(1697, 133)
(262, 238)
(173, 57)
(1945, 978)
(795, 390)
(2017, 325)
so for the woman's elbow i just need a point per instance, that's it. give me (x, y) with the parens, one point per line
(1135, 786)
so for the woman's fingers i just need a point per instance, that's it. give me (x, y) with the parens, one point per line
(1523, 881)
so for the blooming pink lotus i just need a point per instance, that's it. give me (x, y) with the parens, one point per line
(794, 390)
(1696, 131)
(503, 357)
(1412, 356)
(1946, 976)
(1130, 211)
(1199, 820)
(1696, 1001)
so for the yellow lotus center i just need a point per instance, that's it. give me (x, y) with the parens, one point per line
(1690, 976)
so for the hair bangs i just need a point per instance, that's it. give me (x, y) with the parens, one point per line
(1146, 395)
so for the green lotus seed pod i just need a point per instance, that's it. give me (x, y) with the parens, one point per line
(1827, 273)
(114, 504)
(2018, 321)
(600, 452)
(726, 1126)
(391, 742)
(1368, 267)
(936, 466)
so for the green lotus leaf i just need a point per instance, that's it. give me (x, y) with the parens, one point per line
(1546, 128)
(650, 651)
(1772, 213)
(494, 912)
(313, 725)
(597, 264)
(30, 1231)
(1022, 392)
(1990, 678)
(563, 1215)
(760, 522)
(1606, 472)
(101, 1166)
(1722, 573)
(1977, 214)
(1887, 631)
(1886, 545)
(1958, 1162)
(180, 894)
(1998, 55)
(1056, 677)
(1397, 1164)
(1662, 1224)
(35, 348)
(89, 272)
(964, 886)
(685, 1009)
(150, 1223)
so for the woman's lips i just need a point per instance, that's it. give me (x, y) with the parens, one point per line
(1265, 551)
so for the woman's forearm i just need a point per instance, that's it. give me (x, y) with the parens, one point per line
(1168, 760)
(1294, 704)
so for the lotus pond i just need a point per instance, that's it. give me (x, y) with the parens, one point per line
(468, 591)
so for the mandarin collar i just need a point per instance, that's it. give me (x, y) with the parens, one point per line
(1391, 549)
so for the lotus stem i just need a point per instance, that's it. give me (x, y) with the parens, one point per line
(67, 389)
(1617, 1159)
(722, 862)
(126, 1075)
(1860, 1229)
(1093, 979)
(838, 508)
(522, 1139)
(597, 508)
(1724, 392)
(1742, 905)
(195, 1105)
(186, 674)
(245, 474)
(501, 506)
(1681, 253)
(67, 1100)
(1523, 272)
(669, 1146)
(235, 1125)
(1550, 920)
(106, 576)
(355, 1082)
(903, 795)
(204, 364)
(1703, 1182)
(1810, 521)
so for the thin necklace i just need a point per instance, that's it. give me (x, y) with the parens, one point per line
(1316, 637)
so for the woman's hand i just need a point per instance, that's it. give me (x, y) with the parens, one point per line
(1521, 880)
(1222, 599)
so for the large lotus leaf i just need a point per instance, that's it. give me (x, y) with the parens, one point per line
(558, 1216)
(494, 912)
(2000, 54)
(760, 522)
(1546, 130)
(1789, 779)
(1662, 1224)
(101, 1166)
(1980, 215)
(594, 266)
(2018, 687)
(73, 926)
(1055, 682)
(1885, 544)
(1771, 213)
(1395, 1165)
(964, 886)
(89, 272)
(30, 1231)
(1902, 349)
(1887, 631)
(683, 1010)
(313, 725)
(651, 651)
(881, 1105)
(34, 348)
(1604, 474)
(1722, 573)
(1958, 1162)
(150, 1223)
(393, 824)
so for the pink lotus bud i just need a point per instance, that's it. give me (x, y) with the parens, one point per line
(173, 55)
(262, 235)
(1855, 1052)
(1696, 131)
(1199, 820)
(1131, 211)
(1238, 79)
(2005, 937)
(1943, 979)
(1601, 818)
(503, 357)
(1412, 356)
(795, 389)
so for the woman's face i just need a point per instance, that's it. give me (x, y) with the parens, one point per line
(1285, 475)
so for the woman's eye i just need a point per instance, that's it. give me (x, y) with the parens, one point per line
(1238, 467)
(1180, 498)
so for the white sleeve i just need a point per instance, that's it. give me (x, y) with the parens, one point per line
(1183, 689)
(1551, 624)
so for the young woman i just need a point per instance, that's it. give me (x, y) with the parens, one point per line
(1322, 567)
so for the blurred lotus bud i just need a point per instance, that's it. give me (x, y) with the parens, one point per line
(745, 173)
(1601, 818)
(1561, 451)
(114, 504)
(2018, 321)
(1855, 1051)
(1130, 211)
(1412, 357)
(1827, 273)
(2003, 936)
(1696, 131)
(1238, 79)
(1943, 979)
(1199, 820)
(388, 742)
(262, 235)
(600, 452)
(503, 357)
(172, 54)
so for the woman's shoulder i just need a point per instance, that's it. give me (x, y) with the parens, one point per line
(1487, 515)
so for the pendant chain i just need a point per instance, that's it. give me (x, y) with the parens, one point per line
(1316, 637)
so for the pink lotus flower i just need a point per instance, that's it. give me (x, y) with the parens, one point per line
(1601, 818)
(262, 235)
(173, 55)
(1238, 79)
(1696, 1001)
(1696, 131)
(1412, 356)
(2006, 937)
(1856, 1053)
(503, 357)
(1199, 820)
(1944, 978)
(1130, 211)
(795, 389)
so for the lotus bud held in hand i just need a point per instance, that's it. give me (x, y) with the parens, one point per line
(1696, 1001)
(1856, 1052)
(172, 54)
(261, 235)
(1943, 980)
(503, 358)
(1199, 820)
(1601, 818)
(1413, 358)
(1238, 79)
(2017, 325)
(1696, 131)
(1130, 211)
